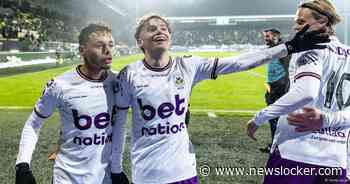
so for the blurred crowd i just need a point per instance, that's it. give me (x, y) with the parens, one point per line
(216, 37)
(222, 35)
(26, 26)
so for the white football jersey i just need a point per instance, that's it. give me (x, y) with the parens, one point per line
(327, 146)
(86, 109)
(161, 151)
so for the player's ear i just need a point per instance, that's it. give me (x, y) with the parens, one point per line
(81, 49)
(323, 21)
(321, 24)
(139, 42)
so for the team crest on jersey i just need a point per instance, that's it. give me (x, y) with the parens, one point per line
(179, 81)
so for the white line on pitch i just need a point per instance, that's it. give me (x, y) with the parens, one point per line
(16, 107)
(212, 115)
(256, 74)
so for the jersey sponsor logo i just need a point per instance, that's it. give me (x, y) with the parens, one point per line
(333, 132)
(96, 139)
(142, 86)
(84, 122)
(74, 97)
(164, 110)
(160, 129)
(101, 121)
(99, 86)
(307, 58)
(159, 75)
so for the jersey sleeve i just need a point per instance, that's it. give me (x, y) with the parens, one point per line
(29, 138)
(303, 91)
(205, 68)
(48, 101)
(335, 119)
(118, 141)
(123, 101)
(308, 64)
(42, 110)
(122, 89)
(211, 68)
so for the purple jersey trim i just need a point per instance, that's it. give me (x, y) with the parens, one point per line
(158, 69)
(193, 180)
(38, 114)
(276, 162)
(303, 74)
(82, 75)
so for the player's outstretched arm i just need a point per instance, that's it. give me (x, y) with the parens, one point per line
(118, 141)
(313, 119)
(302, 41)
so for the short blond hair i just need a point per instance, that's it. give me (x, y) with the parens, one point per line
(321, 9)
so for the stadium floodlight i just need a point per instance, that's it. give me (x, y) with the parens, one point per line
(228, 20)
(187, 21)
(109, 4)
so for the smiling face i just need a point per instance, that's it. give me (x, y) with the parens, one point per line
(97, 51)
(154, 36)
(270, 38)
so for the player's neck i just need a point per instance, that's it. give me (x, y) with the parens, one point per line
(92, 73)
(157, 61)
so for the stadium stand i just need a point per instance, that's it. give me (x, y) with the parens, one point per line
(25, 26)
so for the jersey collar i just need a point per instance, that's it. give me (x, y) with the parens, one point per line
(158, 69)
(82, 75)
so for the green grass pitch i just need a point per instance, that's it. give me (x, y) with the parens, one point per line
(243, 90)
(219, 142)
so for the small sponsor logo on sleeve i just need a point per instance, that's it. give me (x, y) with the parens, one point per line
(307, 58)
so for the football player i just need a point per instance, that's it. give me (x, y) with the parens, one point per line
(84, 99)
(318, 79)
(158, 89)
